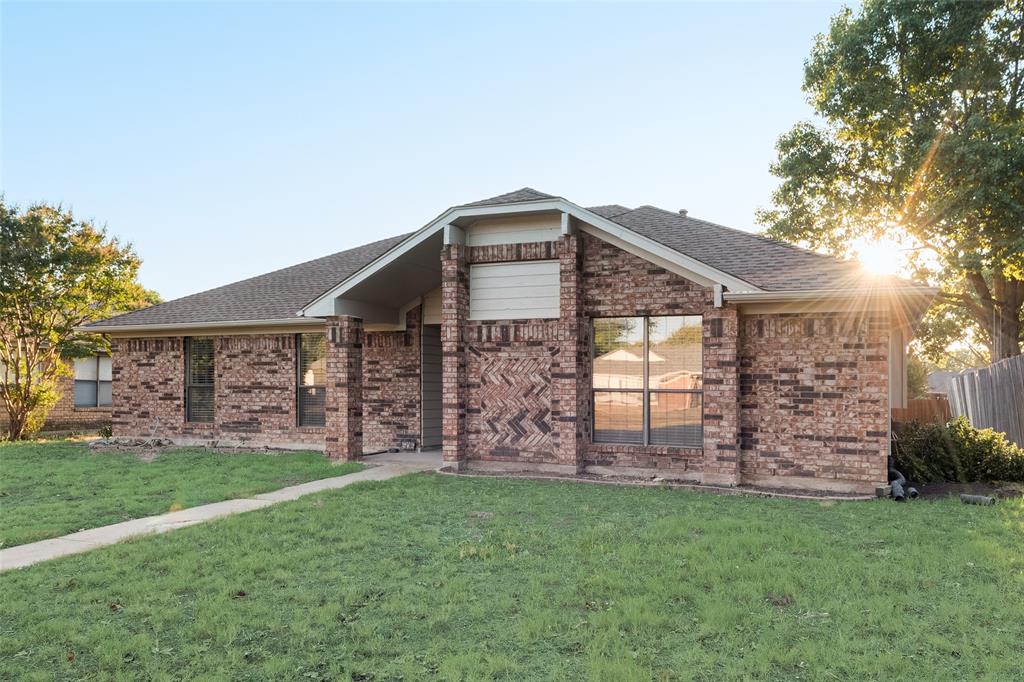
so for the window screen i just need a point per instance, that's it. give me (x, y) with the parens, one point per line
(199, 379)
(648, 380)
(312, 380)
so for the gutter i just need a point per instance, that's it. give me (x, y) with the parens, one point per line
(825, 294)
(224, 324)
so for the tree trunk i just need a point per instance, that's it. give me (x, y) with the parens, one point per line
(1006, 336)
(1005, 325)
(16, 424)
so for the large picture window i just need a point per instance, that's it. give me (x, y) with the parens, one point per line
(199, 379)
(648, 380)
(312, 380)
(93, 381)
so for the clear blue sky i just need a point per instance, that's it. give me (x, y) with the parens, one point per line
(227, 140)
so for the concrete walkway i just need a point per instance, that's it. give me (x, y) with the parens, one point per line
(380, 468)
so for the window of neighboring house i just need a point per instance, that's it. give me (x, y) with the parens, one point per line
(92, 381)
(312, 379)
(199, 379)
(648, 380)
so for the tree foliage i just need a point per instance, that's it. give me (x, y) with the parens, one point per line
(56, 274)
(921, 136)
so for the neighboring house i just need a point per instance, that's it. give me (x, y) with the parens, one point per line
(527, 332)
(85, 398)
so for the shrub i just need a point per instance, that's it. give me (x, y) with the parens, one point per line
(927, 453)
(955, 452)
(986, 454)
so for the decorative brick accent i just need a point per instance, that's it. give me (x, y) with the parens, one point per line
(504, 253)
(815, 398)
(509, 390)
(344, 388)
(454, 309)
(391, 385)
(509, 413)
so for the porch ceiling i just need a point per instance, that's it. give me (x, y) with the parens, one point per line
(378, 297)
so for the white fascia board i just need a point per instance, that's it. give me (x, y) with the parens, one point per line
(635, 243)
(227, 324)
(820, 294)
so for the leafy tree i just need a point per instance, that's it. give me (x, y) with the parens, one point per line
(917, 376)
(56, 273)
(922, 136)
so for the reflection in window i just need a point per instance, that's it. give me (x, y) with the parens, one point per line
(312, 392)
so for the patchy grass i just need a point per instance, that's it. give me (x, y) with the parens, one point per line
(432, 577)
(48, 489)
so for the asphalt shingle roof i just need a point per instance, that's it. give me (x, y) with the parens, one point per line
(276, 295)
(768, 264)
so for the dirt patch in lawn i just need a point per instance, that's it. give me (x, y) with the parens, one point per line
(997, 490)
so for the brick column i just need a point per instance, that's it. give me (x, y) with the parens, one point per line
(454, 311)
(344, 438)
(721, 397)
(569, 369)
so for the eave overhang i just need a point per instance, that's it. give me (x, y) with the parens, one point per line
(587, 221)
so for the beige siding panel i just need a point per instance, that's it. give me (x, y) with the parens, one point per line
(897, 369)
(518, 230)
(432, 307)
(526, 290)
(431, 377)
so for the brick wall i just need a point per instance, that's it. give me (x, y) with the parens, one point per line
(391, 385)
(64, 416)
(618, 284)
(254, 391)
(814, 398)
(148, 387)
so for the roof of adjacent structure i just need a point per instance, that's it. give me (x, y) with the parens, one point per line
(767, 264)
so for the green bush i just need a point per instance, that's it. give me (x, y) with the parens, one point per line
(955, 452)
(927, 453)
(986, 454)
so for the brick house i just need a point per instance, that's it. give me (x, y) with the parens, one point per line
(526, 332)
(85, 399)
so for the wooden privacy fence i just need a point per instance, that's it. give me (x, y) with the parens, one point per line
(992, 397)
(923, 411)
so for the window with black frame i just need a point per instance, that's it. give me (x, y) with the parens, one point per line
(199, 363)
(648, 380)
(312, 380)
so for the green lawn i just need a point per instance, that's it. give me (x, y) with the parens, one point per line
(434, 577)
(48, 489)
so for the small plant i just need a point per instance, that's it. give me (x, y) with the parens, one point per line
(106, 431)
